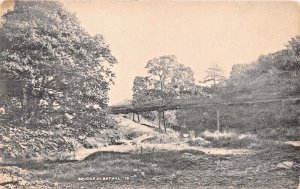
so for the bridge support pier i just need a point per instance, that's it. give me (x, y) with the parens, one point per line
(164, 121)
(161, 114)
(138, 117)
(159, 120)
(218, 120)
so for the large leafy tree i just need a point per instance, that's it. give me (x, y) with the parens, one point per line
(171, 77)
(166, 80)
(182, 79)
(162, 69)
(51, 68)
(145, 90)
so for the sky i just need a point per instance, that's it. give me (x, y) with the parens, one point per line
(199, 33)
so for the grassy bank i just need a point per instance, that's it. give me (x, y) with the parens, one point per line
(169, 169)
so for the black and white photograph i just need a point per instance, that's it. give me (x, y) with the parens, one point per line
(149, 94)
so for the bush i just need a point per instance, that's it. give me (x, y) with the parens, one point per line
(132, 134)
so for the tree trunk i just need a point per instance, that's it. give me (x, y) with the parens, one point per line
(138, 116)
(161, 83)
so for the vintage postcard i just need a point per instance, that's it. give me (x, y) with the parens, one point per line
(149, 94)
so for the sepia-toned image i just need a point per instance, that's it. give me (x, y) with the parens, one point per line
(149, 94)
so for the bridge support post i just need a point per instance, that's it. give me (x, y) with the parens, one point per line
(159, 121)
(138, 117)
(164, 121)
(282, 104)
(218, 120)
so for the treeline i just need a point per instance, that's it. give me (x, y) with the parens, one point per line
(276, 75)
(52, 72)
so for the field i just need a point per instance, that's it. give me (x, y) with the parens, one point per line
(169, 169)
(265, 165)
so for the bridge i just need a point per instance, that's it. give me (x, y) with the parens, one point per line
(191, 103)
(194, 103)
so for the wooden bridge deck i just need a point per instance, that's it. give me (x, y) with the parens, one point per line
(192, 103)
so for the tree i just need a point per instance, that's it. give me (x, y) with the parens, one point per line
(272, 76)
(291, 64)
(214, 74)
(162, 69)
(51, 67)
(171, 76)
(167, 80)
(183, 79)
(144, 90)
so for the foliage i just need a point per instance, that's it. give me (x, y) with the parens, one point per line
(144, 90)
(214, 74)
(52, 71)
(276, 75)
(20, 142)
(162, 69)
(167, 79)
(228, 140)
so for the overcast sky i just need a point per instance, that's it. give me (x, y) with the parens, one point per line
(198, 33)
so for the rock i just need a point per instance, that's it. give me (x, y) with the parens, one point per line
(285, 164)
(154, 165)
(200, 141)
(5, 139)
(4, 178)
(43, 102)
(2, 110)
(23, 182)
(113, 141)
(249, 170)
(58, 126)
(187, 154)
(87, 144)
(96, 107)
(68, 116)
(178, 173)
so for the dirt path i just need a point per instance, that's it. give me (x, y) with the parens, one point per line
(294, 143)
(83, 153)
(137, 144)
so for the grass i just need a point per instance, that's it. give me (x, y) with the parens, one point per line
(227, 140)
(183, 169)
